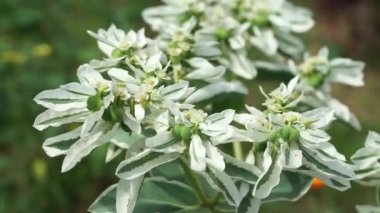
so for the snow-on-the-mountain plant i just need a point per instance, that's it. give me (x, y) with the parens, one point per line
(172, 107)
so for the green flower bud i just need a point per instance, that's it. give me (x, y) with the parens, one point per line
(273, 137)
(176, 131)
(289, 133)
(316, 80)
(117, 53)
(285, 132)
(185, 17)
(113, 114)
(293, 134)
(181, 131)
(222, 33)
(95, 103)
(186, 133)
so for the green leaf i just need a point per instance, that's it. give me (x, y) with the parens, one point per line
(145, 207)
(195, 210)
(292, 186)
(158, 190)
(171, 170)
(106, 201)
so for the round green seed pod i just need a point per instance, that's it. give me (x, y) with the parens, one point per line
(95, 103)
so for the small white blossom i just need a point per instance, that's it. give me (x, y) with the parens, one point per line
(317, 73)
(115, 39)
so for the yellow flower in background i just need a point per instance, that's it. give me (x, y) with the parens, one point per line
(12, 57)
(42, 50)
(39, 169)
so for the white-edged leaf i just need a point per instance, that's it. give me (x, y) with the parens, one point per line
(127, 192)
(367, 209)
(163, 142)
(271, 177)
(84, 146)
(214, 89)
(112, 152)
(337, 183)
(220, 181)
(60, 144)
(175, 91)
(337, 168)
(105, 203)
(292, 187)
(51, 118)
(249, 204)
(167, 192)
(143, 162)
(61, 100)
(241, 170)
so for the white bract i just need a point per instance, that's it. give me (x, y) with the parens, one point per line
(164, 102)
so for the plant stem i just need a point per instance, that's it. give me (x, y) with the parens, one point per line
(378, 196)
(194, 181)
(238, 151)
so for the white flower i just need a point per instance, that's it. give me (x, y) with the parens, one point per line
(114, 39)
(317, 73)
(259, 127)
(319, 70)
(294, 140)
(283, 98)
(202, 132)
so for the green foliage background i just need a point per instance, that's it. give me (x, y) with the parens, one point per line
(43, 42)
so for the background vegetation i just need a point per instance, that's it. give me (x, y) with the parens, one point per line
(43, 42)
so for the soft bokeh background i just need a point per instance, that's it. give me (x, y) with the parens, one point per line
(42, 43)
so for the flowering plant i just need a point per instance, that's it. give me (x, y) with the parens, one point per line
(163, 104)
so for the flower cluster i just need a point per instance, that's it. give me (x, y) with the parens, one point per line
(153, 101)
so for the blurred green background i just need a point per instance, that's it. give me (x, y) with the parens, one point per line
(42, 43)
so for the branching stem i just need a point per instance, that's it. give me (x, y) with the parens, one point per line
(238, 151)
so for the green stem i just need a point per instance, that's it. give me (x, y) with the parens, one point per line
(238, 150)
(378, 196)
(194, 181)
